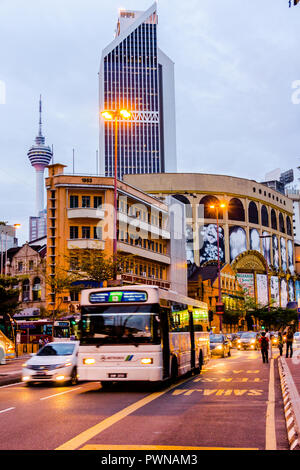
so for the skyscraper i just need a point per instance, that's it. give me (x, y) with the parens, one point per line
(40, 156)
(135, 74)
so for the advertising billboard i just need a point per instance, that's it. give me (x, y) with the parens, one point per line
(266, 242)
(291, 290)
(208, 243)
(275, 252)
(291, 256)
(275, 291)
(246, 281)
(283, 293)
(262, 289)
(237, 241)
(283, 254)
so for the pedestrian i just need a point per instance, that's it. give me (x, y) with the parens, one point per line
(269, 337)
(289, 342)
(280, 343)
(264, 347)
(41, 343)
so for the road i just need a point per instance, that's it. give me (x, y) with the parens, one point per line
(235, 403)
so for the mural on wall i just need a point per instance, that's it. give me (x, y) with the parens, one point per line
(208, 243)
(266, 242)
(254, 240)
(283, 254)
(297, 285)
(275, 252)
(275, 291)
(246, 281)
(291, 256)
(291, 291)
(283, 293)
(237, 241)
(262, 289)
(189, 244)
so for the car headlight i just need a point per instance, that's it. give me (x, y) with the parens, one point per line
(252, 341)
(220, 346)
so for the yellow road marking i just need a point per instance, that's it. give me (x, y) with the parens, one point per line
(151, 447)
(85, 436)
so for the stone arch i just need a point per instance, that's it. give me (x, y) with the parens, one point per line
(236, 210)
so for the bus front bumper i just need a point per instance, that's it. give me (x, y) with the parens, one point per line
(114, 374)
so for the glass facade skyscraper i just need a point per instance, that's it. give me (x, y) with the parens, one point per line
(137, 76)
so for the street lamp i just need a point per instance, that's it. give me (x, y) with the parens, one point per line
(110, 115)
(217, 207)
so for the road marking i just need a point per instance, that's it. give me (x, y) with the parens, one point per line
(218, 392)
(11, 385)
(85, 436)
(61, 393)
(152, 447)
(8, 409)
(270, 415)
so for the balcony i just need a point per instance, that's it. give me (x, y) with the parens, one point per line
(85, 244)
(136, 279)
(143, 253)
(143, 226)
(86, 213)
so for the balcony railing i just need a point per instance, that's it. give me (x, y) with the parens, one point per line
(85, 213)
(85, 243)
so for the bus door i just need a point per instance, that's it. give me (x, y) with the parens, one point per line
(164, 324)
(193, 349)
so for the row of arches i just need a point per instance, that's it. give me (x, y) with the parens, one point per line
(236, 211)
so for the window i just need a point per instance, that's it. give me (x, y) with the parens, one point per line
(26, 291)
(264, 216)
(273, 220)
(36, 289)
(74, 296)
(31, 265)
(73, 232)
(20, 266)
(86, 232)
(253, 213)
(97, 202)
(86, 201)
(209, 213)
(73, 202)
(98, 233)
(236, 210)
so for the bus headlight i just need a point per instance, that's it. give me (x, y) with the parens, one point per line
(147, 360)
(88, 361)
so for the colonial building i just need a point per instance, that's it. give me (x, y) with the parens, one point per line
(80, 216)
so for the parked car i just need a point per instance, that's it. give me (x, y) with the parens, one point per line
(219, 345)
(248, 340)
(55, 362)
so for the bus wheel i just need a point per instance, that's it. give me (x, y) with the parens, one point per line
(106, 384)
(174, 369)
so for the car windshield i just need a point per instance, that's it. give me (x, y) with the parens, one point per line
(216, 338)
(248, 335)
(123, 324)
(59, 349)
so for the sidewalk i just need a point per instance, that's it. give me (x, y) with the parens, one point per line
(11, 371)
(289, 370)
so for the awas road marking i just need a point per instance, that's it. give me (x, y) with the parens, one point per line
(218, 392)
(228, 379)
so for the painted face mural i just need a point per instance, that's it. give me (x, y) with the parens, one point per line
(237, 241)
(290, 256)
(283, 254)
(267, 247)
(209, 244)
(254, 240)
(275, 252)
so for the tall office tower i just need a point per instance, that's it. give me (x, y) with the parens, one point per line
(136, 75)
(40, 156)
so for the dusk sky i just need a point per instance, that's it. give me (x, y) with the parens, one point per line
(235, 65)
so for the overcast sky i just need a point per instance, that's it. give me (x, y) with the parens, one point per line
(235, 63)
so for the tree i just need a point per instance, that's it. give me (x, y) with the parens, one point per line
(9, 301)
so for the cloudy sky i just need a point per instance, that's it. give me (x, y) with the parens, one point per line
(235, 65)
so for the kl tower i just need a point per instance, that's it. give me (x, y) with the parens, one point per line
(40, 156)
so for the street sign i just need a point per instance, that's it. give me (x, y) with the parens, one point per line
(219, 308)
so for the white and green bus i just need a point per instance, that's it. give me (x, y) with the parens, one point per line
(140, 333)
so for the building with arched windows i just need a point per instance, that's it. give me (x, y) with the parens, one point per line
(255, 228)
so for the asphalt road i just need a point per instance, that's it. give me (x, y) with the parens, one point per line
(235, 403)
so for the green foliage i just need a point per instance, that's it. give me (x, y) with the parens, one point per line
(9, 294)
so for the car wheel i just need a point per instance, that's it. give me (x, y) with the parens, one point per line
(74, 378)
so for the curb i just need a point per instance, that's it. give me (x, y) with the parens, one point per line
(8, 380)
(291, 423)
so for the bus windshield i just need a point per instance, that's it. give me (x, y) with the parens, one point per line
(119, 324)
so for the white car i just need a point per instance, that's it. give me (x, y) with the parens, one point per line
(297, 338)
(55, 362)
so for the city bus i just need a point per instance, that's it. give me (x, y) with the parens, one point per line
(32, 330)
(140, 333)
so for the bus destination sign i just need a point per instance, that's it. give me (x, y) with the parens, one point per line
(118, 296)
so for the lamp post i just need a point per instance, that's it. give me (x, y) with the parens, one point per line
(110, 115)
(217, 207)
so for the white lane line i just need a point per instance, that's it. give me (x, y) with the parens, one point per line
(8, 409)
(270, 415)
(12, 385)
(61, 393)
